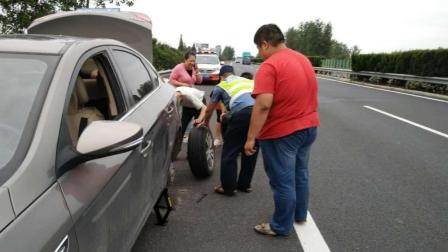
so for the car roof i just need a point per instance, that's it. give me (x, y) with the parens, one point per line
(45, 44)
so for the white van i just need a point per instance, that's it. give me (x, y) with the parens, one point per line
(209, 66)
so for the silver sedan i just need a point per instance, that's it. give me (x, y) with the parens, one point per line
(87, 128)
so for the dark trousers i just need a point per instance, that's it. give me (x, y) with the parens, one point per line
(234, 139)
(187, 115)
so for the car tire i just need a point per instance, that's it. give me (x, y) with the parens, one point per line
(201, 152)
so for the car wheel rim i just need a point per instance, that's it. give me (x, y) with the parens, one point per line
(210, 152)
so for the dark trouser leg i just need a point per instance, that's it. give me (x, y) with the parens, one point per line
(187, 115)
(247, 162)
(234, 140)
(247, 170)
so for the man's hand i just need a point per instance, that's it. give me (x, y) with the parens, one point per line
(249, 147)
(222, 116)
(199, 122)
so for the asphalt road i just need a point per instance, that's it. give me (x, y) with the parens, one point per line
(378, 183)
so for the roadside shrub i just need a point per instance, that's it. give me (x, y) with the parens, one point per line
(165, 56)
(395, 83)
(375, 80)
(417, 62)
(419, 85)
(316, 61)
(257, 60)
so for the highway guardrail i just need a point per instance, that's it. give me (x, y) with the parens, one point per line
(347, 73)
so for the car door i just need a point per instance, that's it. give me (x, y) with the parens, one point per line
(107, 196)
(153, 108)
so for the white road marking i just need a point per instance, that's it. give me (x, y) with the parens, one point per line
(381, 89)
(407, 121)
(310, 237)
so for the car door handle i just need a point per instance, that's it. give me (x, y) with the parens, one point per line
(146, 147)
(169, 109)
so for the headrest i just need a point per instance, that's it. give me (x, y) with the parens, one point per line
(73, 105)
(81, 91)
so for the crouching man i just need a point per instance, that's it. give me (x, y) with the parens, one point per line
(235, 93)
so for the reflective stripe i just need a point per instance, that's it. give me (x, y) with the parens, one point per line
(229, 87)
(236, 88)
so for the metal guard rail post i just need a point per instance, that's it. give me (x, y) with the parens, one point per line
(165, 73)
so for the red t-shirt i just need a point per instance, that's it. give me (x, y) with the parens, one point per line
(290, 77)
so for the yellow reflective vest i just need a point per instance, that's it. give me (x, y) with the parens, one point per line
(236, 88)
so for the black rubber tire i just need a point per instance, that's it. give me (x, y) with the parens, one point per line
(201, 152)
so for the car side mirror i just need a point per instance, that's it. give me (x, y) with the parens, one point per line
(102, 139)
(105, 138)
(222, 63)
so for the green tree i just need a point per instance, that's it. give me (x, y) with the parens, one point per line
(355, 50)
(165, 56)
(181, 47)
(15, 16)
(339, 50)
(312, 38)
(228, 53)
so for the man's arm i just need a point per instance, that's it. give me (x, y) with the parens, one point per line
(260, 112)
(209, 112)
(201, 116)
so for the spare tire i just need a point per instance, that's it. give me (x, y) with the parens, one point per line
(201, 152)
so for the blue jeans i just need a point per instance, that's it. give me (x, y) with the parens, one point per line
(286, 164)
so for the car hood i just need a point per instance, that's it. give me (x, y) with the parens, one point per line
(208, 66)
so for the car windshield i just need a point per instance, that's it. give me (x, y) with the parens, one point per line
(21, 78)
(207, 59)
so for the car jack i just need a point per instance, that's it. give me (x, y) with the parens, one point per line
(163, 207)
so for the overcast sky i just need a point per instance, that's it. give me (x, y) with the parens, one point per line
(375, 26)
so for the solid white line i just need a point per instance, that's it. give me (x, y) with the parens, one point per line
(310, 237)
(391, 91)
(407, 121)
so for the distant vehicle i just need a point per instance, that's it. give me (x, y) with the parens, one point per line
(247, 58)
(209, 66)
(238, 60)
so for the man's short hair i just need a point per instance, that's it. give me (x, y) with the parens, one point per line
(270, 33)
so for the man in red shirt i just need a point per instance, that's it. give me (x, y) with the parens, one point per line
(284, 120)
